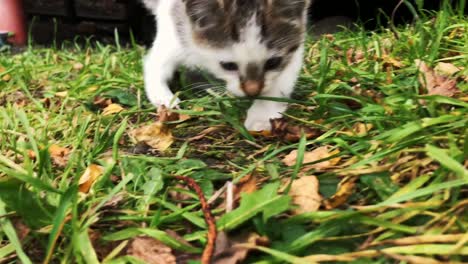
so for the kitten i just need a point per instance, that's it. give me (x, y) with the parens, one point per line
(256, 46)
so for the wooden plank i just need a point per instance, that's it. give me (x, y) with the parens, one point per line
(101, 9)
(49, 7)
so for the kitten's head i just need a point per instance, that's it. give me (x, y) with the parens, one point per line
(248, 42)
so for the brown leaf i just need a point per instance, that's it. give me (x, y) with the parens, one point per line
(59, 155)
(156, 135)
(102, 102)
(280, 128)
(89, 177)
(345, 190)
(151, 251)
(354, 56)
(247, 184)
(436, 84)
(31, 154)
(312, 156)
(166, 115)
(233, 250)
(112, 109)
(22, 230)
(305, 194)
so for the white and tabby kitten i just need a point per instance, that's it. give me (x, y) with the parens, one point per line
(256, 46)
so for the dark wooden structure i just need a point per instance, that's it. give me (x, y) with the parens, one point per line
(58, 20)
(52, 21)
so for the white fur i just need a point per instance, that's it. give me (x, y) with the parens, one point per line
(171, 49)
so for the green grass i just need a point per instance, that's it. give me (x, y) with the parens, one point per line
(409, 169)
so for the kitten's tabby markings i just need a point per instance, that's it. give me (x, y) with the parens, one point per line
(256, 46)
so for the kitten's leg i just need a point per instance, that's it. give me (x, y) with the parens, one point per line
(261, 111)
(159, 66)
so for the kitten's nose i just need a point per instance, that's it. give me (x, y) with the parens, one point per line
(252, 88)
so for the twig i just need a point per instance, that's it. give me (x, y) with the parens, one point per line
(211, 239)
(229, 197)
(217, 194)
(392, 20)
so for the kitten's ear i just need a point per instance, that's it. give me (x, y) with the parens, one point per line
(204, 13)
(290, 8)
(151, 4)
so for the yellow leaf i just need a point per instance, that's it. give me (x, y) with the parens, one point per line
(112, 109)
(392, 61)
(312, 156)
(92, 88)
(62, 94)
(305, 194)
(359, 129)
(345, 190)
(156, 135)
(89, 177)
(6, 77)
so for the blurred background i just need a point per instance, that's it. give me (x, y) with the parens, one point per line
(54, 21)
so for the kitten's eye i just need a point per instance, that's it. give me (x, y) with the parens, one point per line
(273, 63)
(229, 66)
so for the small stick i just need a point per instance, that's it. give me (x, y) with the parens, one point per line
(392, 20)
(211, 238)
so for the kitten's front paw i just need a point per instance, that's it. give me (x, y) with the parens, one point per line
(259, 121)
(260, 113)
(163, 99)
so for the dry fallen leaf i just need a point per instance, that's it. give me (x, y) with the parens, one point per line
(305, 194)
(354, 56)
(156, 135)
(436, 84)
(22, 230)
(6, 77)
(359, 129)
(280, 128)
(166, 115)
(312, 156)
(112, 109)
(231, 250)
(62, 94)
(59, 155)
(89, 177)
(78, 66)
(345, 190)
(151, 251)
(247, 184)
(391, 61)
(446, 69)
(102, 102)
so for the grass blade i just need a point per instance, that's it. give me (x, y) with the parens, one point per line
(448, 162)
(10, 232)
(59, 220)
